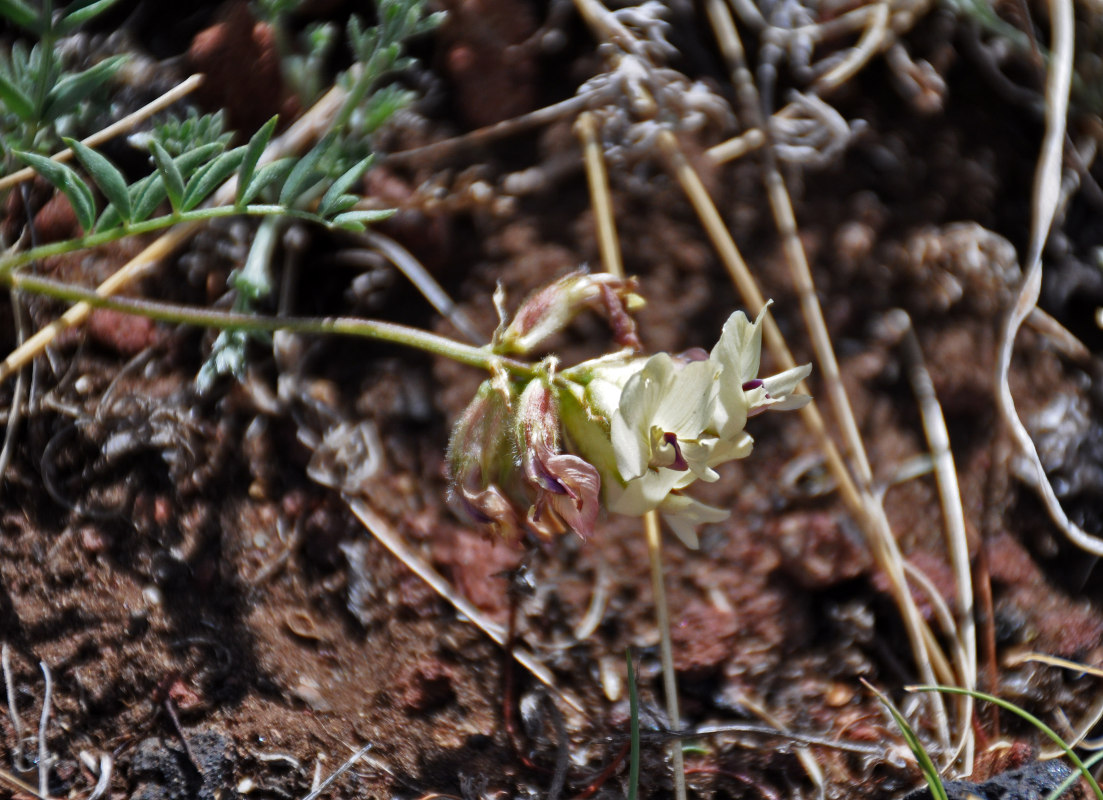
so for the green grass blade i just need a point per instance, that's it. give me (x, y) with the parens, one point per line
(1064, 785)
(1051, 734)
(926, 765)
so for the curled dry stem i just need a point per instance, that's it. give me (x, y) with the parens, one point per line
(1045, 200)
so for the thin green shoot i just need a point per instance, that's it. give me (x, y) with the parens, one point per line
(1051, 734)
(634, 729)
(926, 765)
(1064, 785)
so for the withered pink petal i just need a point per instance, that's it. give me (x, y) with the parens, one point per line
(490, 507)
(579, 504)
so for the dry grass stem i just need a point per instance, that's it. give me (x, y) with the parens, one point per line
(957, 544)
(11, 780)
(45, 760)
(964, 748)
(873, 38)
(1015, 659)
(1045, 200)
(337, 773)
(511, 127)
(864, 506)
(19, 395)
(738, 146)
(392, 540)
(608, 28)
(598, 181)
(871, 514)
(124, 125)
(405, 262)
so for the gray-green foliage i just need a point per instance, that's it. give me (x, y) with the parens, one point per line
(41, 96)
(190, 158)
(177, 134)
(344, 154)
(190, 178)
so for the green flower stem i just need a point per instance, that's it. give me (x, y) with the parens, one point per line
(14, 261)
(666, 651)
(391, 332)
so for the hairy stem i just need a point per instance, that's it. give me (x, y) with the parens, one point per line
(93, 240)
(346, 326)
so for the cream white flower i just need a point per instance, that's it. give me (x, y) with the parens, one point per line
(634, 431)
(671, 421)
(662, 416)
(742, 392)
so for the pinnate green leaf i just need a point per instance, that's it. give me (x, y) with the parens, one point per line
(170, 173)
(210, 176)
(254, 149)
(68, 182)
(335, 200)
(106, 176)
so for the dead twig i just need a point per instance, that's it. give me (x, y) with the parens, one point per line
(337, 773)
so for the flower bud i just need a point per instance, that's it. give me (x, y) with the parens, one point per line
(550, 309)
(480, 457)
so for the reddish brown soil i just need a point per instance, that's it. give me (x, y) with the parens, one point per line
(219, 622)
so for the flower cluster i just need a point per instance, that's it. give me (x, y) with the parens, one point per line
(628, 431)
